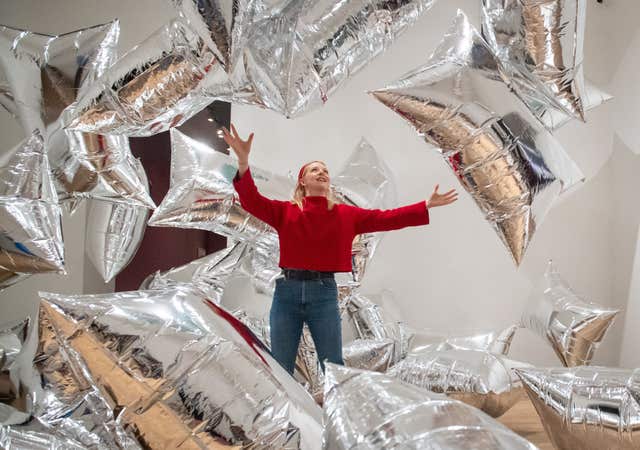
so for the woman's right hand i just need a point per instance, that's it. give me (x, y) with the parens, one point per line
(240, 147)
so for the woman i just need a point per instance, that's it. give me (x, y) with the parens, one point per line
(315, 235)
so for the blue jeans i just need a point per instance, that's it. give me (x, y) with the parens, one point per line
(314, 302)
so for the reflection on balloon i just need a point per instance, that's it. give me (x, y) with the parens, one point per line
(573, 326)
(589, 408)
(540, 44)
(491, 341)
(30, 221)
(512, 167)
(371, 410)
(478, 378)
(300, 54)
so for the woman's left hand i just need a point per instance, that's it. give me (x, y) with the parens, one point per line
(438, 199)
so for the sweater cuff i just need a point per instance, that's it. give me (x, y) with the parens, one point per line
(241, 179)
(426, 209)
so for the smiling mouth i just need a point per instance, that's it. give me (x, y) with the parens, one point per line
(322, 179)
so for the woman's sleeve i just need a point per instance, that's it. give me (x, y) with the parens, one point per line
(265, 209)
(372, 220)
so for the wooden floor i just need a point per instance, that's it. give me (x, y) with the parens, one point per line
(523, 419)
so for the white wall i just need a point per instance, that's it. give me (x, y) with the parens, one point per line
(454, 273)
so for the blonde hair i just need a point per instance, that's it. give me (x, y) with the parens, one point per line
(299, 192)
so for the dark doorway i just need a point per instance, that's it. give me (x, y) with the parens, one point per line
(164, 248)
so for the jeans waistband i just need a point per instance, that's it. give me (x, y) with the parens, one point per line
(299, 274)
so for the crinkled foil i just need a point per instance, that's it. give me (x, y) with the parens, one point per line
(114, 233)
(478, 378)
(491, 341)
(540, 44)
(15, 438)
(182, 371)
(16, 403)
(369, 410)
(300, 54)
(512, 167)
(202, 196)
(30, 218)
(369, 354)
(155, 86)
(573, 326)
(587, 408)
(44, 74)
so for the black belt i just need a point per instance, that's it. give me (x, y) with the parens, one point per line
(299, 274)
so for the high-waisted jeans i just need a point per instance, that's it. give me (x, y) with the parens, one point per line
(314, 302)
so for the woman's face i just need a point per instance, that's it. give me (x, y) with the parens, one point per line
(316, 178)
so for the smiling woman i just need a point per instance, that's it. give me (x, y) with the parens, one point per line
(315, 234)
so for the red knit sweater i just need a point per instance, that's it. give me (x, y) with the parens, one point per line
(316, 238)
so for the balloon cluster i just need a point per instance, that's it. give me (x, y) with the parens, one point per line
(184, 362)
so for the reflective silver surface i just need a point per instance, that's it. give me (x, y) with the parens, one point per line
(16, 402)
(43, 75)
(573, 326)
(186, 372)
(114, 233)
(478, 378)
(369, 410)
(155, 86)
(300, 54)
(458, 102)
(30, 217)
(587, 408)
(540, 43)
(492, 341)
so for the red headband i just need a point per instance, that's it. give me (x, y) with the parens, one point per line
(302, 169)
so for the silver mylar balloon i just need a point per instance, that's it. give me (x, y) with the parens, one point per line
(299, 55)
(478, 378)
(512, 167)
(30, 218)
(69, 405)
(495, 342)
(14, 438)
(369, 410)
(540, 44)
(155, 86)
(202, 196)
(225, 27)
(183, 371)
(573, 326)
(44, 74)
(114, 233)
(369, 354)
(371, 322)
(15, 401)
(587, 408)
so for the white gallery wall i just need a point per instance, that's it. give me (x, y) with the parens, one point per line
(454, 273)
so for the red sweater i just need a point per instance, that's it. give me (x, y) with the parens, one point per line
(316, 238)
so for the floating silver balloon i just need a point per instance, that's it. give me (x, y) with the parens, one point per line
(478, 378)
(491, 341)
(369, 410)
(225, 27)
(44, 74)
(155, 86)
(512, 167)
(202, 196)
(15, 400)
(589, 408)
(573, 326)
(30, 218)
(114, 233)
(540, 44)
(186, 371)
(303, 52)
